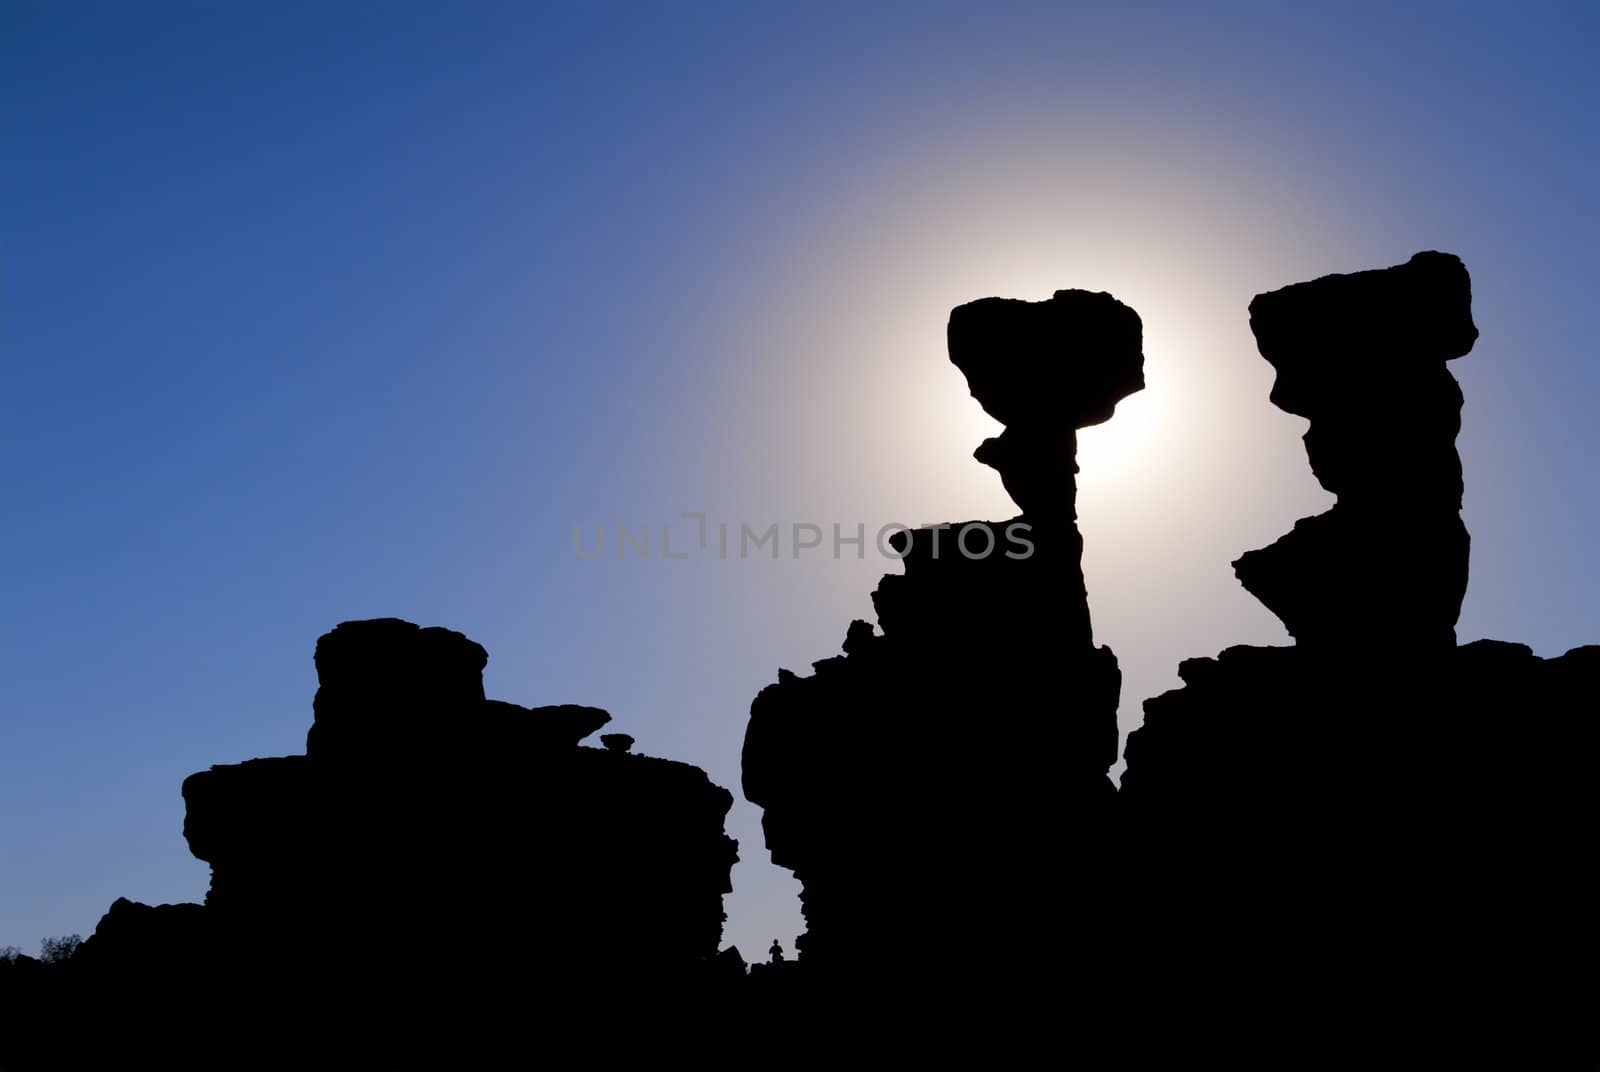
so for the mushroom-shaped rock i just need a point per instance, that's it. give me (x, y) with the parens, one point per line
(1044, 370)
(886, 765)
(1058, 364)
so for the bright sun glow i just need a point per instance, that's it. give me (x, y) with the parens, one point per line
(1117, 450)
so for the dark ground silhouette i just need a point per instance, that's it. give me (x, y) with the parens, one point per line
(1370, 845)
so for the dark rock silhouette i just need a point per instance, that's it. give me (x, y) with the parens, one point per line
(1363, 357)
(1375, 840)
(131, 937)
(428, 843)
(413, 782)
(887, 785)
(1044, 370)
(1372, 829)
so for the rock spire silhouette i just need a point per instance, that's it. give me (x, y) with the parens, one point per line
(887, 783)
(1370, 832)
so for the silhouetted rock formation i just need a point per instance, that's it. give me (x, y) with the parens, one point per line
(1044, 370)
(132, 937)
(1372, 841)
(418, 796)
(1372, 830)
(1363, 357)
(437, 853)
(918, 828)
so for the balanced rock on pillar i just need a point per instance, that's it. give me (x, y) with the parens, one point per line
(1044, 370)
(948, 772)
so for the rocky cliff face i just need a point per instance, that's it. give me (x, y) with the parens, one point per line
(944, 779)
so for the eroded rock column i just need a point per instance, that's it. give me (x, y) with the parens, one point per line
(1366, 836)
(941, 787)
(1363, 357)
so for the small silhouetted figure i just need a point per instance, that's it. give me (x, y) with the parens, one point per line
(775, 953)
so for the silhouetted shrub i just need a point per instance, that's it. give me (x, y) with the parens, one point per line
(59, 950)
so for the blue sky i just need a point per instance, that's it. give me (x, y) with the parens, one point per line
(311, 312)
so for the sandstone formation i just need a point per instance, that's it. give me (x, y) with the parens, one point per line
(944, 781)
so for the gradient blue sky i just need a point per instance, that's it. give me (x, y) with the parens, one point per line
(311, 312)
